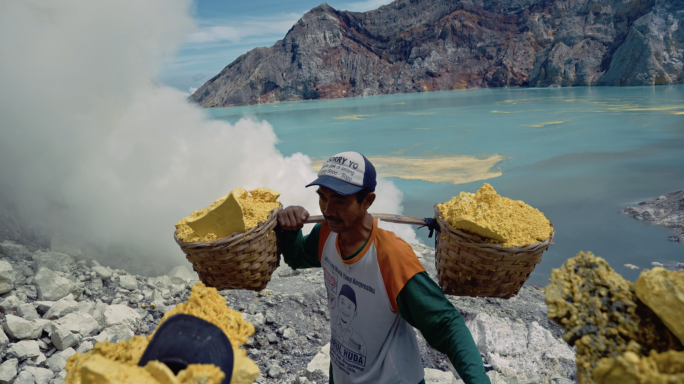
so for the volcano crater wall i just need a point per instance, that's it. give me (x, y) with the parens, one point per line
(437, 45)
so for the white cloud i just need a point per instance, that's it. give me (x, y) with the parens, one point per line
(192, 90)
(252, 27)
(217, 33)
(105, 156)
(367, 5)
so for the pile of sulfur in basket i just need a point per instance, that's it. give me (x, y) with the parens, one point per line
(109, 363)
(498, 220)
(625, 333)
(235, 212)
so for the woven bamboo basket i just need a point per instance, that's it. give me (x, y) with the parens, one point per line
(467, 266)
(244, 260)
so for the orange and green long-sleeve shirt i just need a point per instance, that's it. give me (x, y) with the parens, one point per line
(373, 297)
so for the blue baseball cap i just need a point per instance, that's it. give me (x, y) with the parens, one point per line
(347, 173)
(183, 339)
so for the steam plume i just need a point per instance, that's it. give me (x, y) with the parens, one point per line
(92, 148)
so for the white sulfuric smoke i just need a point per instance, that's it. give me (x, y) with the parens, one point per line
(91, 147)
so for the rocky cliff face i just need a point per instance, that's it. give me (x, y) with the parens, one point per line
(436, 45)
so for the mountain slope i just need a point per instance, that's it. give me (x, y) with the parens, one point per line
(435, 45)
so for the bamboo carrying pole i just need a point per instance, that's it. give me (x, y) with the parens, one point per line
(381, 216)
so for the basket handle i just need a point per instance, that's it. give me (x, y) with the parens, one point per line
(382, 216)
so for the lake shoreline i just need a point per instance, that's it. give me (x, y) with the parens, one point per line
(665, 210)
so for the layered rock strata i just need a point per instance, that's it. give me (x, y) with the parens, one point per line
(433, 45)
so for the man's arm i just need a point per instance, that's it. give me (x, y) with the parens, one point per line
(423, 305)
(299, 251)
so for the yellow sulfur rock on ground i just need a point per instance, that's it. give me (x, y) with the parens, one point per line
(633, 368)
(207, 304)
(99, 370)
(235, 212)
(499, 220)
(206, 373)
(663, 292)
(109, 363)
(603, 317)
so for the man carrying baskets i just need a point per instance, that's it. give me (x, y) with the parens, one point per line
(375, 284)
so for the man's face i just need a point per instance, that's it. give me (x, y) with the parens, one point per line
(347, 311)
(341, 212)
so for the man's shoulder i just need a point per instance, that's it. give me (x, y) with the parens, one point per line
(395, 253)
(388, 241)
(397, 261)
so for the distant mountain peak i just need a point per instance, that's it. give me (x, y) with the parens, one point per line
(437, 45)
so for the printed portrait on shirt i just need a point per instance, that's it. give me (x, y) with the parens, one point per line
(343, 326)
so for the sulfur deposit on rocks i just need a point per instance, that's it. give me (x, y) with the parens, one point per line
(235, 212)
(207, 304)
(663, 292)
(631, 367)
(122, 358)
(605, 320)
(99, 370)
(499, 220)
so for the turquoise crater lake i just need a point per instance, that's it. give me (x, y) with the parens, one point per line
(577, 154)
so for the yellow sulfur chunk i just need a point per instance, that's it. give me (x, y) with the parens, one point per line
(163, 373)
(235, 212)
(663, 292)
(123, 357)
(127, 352)
(201, 374)
(630, 368)
(499, 220)
(222, 218)
(207, 304)
(244, 370)
(264, 195)
(99, 370)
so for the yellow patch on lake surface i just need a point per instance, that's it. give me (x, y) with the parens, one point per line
(541, 125)
(351, 117)
(639, 108)
(454, 169)
(601, 105)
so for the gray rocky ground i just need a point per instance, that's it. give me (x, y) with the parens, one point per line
(54, 304)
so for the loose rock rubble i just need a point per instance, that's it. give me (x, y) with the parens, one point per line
(54, 305)
(53, 310)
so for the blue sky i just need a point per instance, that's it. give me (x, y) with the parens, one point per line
(230, 28)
